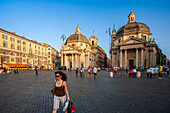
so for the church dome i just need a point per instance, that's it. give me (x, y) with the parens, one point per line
(133, 27)
(77, 37)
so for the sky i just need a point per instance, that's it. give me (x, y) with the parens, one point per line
(47, 20)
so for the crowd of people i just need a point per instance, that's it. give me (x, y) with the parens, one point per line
(134, 72)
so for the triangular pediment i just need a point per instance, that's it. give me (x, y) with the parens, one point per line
(132, 40)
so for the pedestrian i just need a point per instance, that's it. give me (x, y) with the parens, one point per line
(115, 71)
(127, 69)
(134, 72)
(143, 68)
(81, 72)
(60, 91)
(5, 70)
(160, 72)
(36, 70)
(130, 71)
(89, 72)
(15, 70)
(95, 72)
(148, 72)
(167, 71)
(76, 72)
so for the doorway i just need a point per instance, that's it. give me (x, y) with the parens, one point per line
(131, 63)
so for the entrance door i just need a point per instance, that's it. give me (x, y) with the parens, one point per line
(131, 63)
(70, 64)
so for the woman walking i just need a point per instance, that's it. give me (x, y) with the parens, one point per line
(60, 91)
(89, 72)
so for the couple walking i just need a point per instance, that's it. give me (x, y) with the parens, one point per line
(94, 72)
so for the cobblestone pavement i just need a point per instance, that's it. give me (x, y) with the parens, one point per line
(28, 93)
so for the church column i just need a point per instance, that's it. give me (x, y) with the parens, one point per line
(142, 57)
(76, 60)
(120, 58)
(62, 59)
(136, 57)
(125, 57)
(88, 64)
(72, 61)
(65, 60)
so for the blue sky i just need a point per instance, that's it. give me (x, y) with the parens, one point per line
(46, 20)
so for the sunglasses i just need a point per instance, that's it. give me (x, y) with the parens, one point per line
(57, 76)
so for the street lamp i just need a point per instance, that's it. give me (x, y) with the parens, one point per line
(63, 37)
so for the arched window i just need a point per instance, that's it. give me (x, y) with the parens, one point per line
(92, 42)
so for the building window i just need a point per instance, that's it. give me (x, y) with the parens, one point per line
(5, 59)
(35, 51)
(42, 48)
(24, 43)
(18, 41)
(92, 42)
(39, 52)
(24, 60)
(18, 48)
(45, 54)
(30, 45)
(4, 37)
(48, 56)
(30, 51)
(35, 46)
(48, 52)
(144, 37)
(4, 44)
(48, 48)
(39, 47)
(12, 39)
(24, 49)
(48, 61)
(45, 49)
(73, 44)
(12, 59)
(19, 60)
(42, 53)
(12, 46)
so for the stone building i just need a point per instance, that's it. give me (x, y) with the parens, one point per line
(18, 51)
(80, 52)
(131, 45)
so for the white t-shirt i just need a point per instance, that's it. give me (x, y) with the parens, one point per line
(95, 70)
(134, 71)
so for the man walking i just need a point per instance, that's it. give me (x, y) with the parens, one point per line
(95, 72)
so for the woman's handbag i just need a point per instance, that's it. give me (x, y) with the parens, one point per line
(70, 108)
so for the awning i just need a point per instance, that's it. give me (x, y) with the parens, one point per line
(16, 65)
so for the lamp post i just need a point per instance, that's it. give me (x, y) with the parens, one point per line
(63, 37)
(109, 46)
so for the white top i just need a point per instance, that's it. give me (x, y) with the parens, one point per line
(134, 71)
(95, 70)
(148, 70)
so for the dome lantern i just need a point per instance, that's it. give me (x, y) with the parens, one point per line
(131, 17)
(78, 31)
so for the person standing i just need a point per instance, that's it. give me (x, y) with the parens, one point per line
(60, 91)
(115, 71)
(36, 70)
(148, 72)
(83, 70)
(76, 72)
(89, 72)
(127, 69)
(134, 72)
(95, 72)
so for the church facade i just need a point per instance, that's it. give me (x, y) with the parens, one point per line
(131, 45)
(79, 52)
